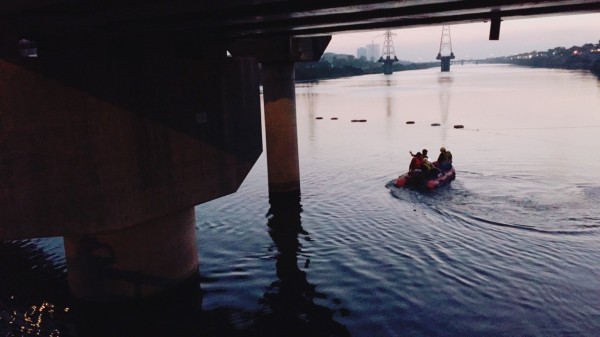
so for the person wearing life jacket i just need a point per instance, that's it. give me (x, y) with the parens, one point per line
(424, 153)
(415, 162)
(429, 170)
(426, 165)
(444, 159)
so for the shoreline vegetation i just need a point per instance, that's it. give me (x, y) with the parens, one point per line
(331, 65)
(586, 57)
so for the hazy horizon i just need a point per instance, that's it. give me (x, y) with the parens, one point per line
(471, 40)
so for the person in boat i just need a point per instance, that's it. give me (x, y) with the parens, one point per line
(444, 159)
(429, 170)
(415, 162)
(424, 153)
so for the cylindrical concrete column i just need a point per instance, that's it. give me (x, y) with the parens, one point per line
(280, 127)
(136, 262)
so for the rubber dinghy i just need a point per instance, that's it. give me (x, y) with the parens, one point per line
(417, 179)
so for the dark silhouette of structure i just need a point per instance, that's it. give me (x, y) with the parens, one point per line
(445, 54)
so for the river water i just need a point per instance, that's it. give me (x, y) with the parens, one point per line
(509, 248)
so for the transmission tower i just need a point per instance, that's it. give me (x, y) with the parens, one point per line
(445, 54)
(388, 56)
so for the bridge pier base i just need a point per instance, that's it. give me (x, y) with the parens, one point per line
(135, 262)
(445, 63)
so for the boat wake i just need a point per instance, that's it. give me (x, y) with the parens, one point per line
(530, 213)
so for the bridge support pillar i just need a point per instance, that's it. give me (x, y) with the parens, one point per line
(280, 128)
(277, 57)
(135, 262)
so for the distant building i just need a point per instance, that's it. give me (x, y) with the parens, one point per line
(361, 52)
(373, 52)
(331, 57)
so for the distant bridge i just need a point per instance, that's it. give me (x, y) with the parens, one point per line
(463, 62)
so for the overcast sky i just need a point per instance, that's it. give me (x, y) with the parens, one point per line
(471, 40)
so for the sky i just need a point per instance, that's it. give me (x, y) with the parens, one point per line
(471, 41)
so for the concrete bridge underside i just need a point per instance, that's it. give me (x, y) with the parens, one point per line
(240, 18)
(131, 113)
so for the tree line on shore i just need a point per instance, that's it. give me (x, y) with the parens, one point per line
(340, 65)
(585, 57)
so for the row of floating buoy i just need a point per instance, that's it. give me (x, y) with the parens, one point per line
(457, 126)
(353, 120)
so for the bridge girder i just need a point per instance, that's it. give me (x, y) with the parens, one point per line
(234, 19)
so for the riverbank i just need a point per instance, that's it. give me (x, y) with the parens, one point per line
(332, 66)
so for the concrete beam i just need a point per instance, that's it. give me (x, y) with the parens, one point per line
(280, 49)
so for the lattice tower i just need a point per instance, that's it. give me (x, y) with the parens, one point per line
(388, 45)
(445, 43)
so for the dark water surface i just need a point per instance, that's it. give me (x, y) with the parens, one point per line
(510, 248)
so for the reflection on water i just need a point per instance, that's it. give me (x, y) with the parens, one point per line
(311, 101)
(37, 320)
(33, 292)
(389, 97)
(34, 301)
(293, 311)
(176, 312)
(445, 81)
(290, 307)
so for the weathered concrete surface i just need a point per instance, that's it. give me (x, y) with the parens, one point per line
(280, 128)
(137, 262)
(96, 138)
